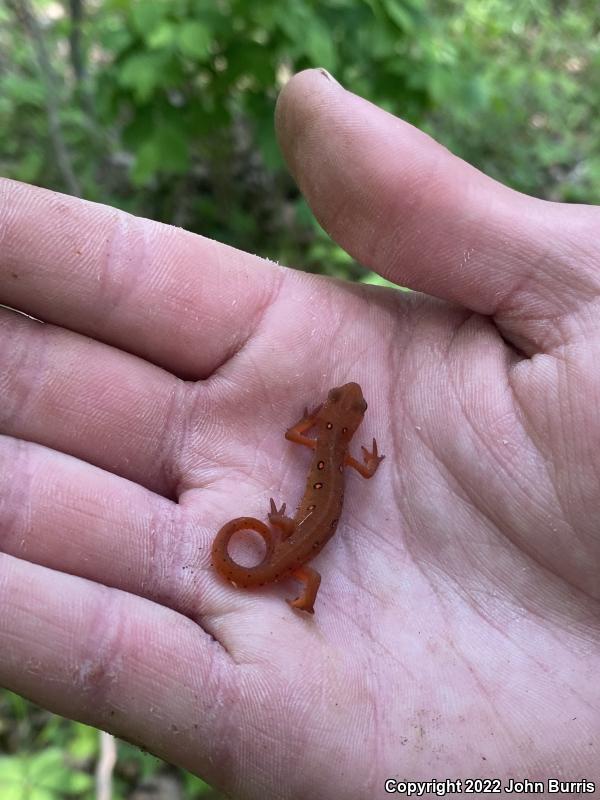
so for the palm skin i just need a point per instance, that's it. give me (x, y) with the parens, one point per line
(457, 628)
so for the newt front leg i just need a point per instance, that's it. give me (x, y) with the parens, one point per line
(371, 458)
(297, 431)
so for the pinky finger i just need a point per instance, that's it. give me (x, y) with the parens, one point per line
(106, 658)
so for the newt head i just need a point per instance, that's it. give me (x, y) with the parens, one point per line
(344, 409)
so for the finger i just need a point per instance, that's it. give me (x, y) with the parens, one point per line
(402, 204)
(117, 662)
(75, 518)
(177, 299)
(69, 516)
(90, 400)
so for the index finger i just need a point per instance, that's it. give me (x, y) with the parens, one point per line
(180, 300)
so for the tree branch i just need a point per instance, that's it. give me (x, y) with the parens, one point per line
(76, 11)
(26, 18)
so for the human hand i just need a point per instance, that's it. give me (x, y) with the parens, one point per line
(457, 625)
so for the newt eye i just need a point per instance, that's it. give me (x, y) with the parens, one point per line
(335, 394)
(361, 407)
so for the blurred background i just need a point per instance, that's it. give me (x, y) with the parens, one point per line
(165, 108)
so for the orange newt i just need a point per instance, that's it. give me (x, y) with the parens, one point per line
(293, 541)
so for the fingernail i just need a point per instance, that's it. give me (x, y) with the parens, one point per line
(329, 76)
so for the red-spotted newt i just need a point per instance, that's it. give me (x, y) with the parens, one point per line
(293, 541)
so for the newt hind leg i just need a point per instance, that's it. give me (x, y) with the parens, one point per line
(311, 580)
(285, 525)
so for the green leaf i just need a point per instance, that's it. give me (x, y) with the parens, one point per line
(165, 151)
(250, 60)
(318, 46)
(40, 776)
(195, 787)
(146, 15)
(136, 132)
(17, 704)
(373, 279)
(400, 13)
(11, 769)
(164, 35)
(23, 90)
(48, 769)
(78, 782)
(311, 35)
(143, 73)
(30, 165)
(404, 14)
(194, 40)
(84, 742)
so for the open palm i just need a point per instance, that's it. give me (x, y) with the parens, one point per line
(457, 628)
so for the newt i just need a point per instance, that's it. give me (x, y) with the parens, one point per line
(293, 541)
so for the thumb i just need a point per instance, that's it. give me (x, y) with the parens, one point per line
(403, 205)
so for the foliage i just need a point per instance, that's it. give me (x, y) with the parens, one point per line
(46, 757)
(42, 776)
(42, 757)
(165, 108)
(519, 91)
